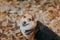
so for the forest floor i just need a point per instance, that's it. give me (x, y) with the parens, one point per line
(47, 13)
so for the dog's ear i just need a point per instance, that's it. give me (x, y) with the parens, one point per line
(33, 15)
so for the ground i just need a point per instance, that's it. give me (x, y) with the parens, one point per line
(47, 12)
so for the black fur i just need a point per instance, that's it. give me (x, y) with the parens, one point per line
(45, 33)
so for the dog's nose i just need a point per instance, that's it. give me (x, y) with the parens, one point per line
(24, 22)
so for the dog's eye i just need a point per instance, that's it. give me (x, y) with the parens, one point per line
(29, 19)
(24, 16)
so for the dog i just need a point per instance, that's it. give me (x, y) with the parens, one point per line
(27, 25)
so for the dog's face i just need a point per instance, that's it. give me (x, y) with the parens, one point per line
(28, 21)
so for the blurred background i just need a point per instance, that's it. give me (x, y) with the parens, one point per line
(47, 13)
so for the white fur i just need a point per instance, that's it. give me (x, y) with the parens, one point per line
(23, 28)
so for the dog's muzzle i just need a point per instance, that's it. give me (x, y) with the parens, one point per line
(25, 24)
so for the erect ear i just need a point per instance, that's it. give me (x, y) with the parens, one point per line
(33, 15)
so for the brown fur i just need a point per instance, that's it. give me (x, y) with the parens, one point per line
(31, 18)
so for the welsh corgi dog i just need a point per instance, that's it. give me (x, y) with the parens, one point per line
(27, 25)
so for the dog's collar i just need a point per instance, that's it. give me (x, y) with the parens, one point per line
(29, 31)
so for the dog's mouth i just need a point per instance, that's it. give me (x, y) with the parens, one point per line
(29, 31)
(25, 24)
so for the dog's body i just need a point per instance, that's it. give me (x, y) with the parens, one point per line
(27, 25)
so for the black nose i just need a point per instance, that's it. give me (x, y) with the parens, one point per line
(24, 22)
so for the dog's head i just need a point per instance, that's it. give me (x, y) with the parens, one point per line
(28, 20)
